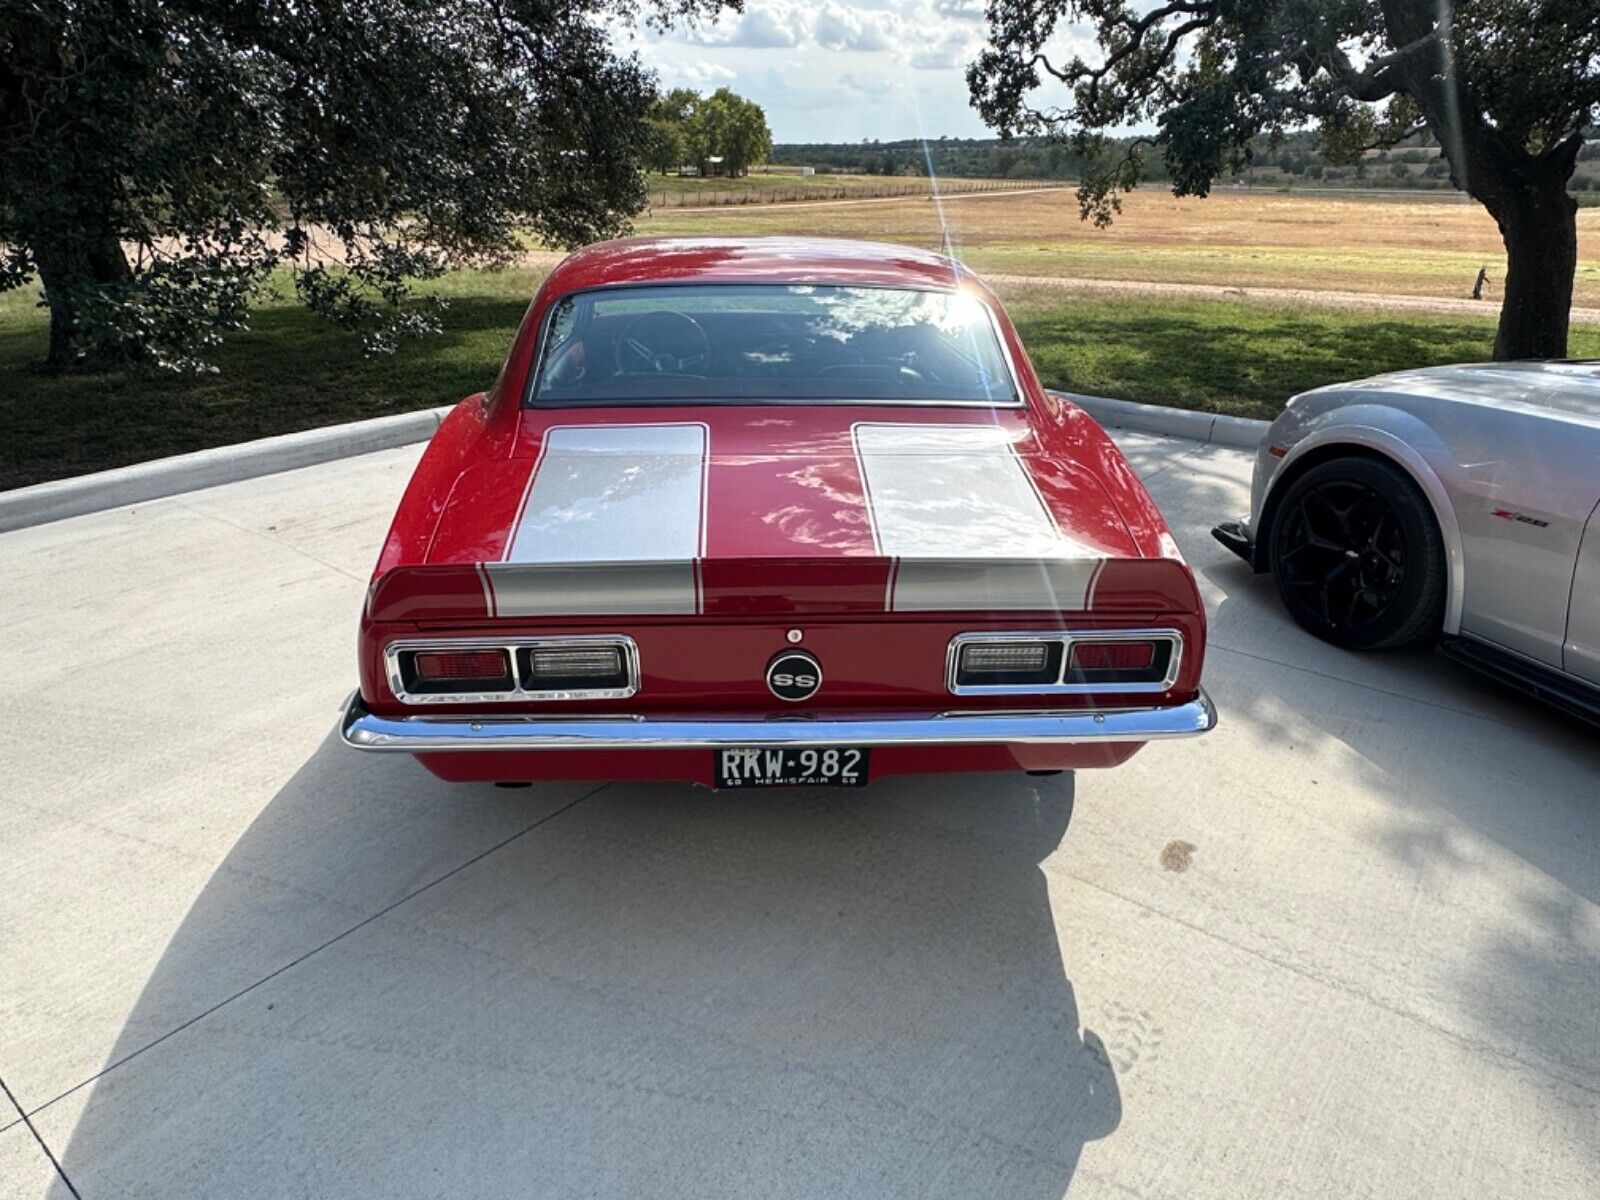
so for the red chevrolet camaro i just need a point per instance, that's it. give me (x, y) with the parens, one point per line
(752, 512)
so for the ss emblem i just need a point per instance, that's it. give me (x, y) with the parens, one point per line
(794, 675)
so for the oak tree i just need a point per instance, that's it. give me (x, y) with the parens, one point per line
(727, 126)
(160, 158)
(1507, 89)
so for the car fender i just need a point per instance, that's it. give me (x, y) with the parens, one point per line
(1404, 439)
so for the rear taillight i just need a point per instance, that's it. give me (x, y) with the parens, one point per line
(1123, 661)
(453, 672)
(1112, 656)
(454, 666)
(1003, 659)
(438, 671)
(1008, 664)
(1002, 663)
(573, 668)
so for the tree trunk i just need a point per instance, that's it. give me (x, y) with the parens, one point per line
(1525, 192)
(67, 270)
(1540, 229)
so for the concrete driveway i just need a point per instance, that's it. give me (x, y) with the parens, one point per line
(1348, 945)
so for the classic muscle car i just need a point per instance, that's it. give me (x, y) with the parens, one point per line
(753, 512)
(1459, 504)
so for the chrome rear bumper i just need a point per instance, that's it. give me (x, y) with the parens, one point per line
(428, 733)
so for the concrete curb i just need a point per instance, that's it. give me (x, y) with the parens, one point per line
(1215, 428)
(61, 498)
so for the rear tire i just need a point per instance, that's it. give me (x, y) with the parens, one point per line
(1358, 557)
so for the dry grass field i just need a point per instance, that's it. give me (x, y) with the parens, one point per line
(688, 191)
(1405, 246)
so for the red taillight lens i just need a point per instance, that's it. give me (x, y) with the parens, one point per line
(450, 665)
(1113, 656)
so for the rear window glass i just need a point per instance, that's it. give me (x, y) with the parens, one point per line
(769, 343)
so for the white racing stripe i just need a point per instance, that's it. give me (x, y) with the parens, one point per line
(956, 509)
(613, 522)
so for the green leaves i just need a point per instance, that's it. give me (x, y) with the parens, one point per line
(1211, 75)
(686, 127)
(159, 158)
(1506, 88)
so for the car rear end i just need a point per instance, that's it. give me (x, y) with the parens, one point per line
(870, 592)
(748, 513)
(692, 701)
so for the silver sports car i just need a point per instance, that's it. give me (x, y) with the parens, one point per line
(1457, 502)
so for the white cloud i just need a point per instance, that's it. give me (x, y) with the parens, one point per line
(836, 27)
(769, 26)
(699, 73)
(835, 69)
(938, 58)
(954, 48)
(870, 84)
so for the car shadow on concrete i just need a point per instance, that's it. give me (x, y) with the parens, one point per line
(654, 991)
(1478, 789)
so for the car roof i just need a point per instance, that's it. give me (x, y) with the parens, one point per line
(641, 260)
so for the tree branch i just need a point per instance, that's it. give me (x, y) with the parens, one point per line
(1203, 12)
(1381, 78)
(1563, 156)
(1386, 141)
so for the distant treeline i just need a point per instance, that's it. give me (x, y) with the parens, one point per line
(988, 158)
(1295, 159)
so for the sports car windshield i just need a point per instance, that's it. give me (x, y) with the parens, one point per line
(766, 343)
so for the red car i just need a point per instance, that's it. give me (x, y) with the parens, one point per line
(748, 512)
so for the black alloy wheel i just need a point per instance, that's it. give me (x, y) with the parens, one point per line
(1358, 557)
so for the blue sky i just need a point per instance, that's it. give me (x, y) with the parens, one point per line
(834, 71)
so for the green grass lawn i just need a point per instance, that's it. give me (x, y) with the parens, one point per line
(1239, 358)
(292, 371)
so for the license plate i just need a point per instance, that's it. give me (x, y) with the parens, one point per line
(813, 766)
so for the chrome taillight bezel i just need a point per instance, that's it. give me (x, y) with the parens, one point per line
(519, 693)
(1064, 639)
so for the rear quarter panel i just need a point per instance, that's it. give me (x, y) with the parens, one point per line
(458, 443)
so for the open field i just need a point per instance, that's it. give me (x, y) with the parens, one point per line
(1102, 311)
(1236, 238)
(678, 191)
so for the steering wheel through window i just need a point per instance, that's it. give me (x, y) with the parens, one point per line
(662, 343)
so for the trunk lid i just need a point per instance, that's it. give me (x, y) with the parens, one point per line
(769, 510)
